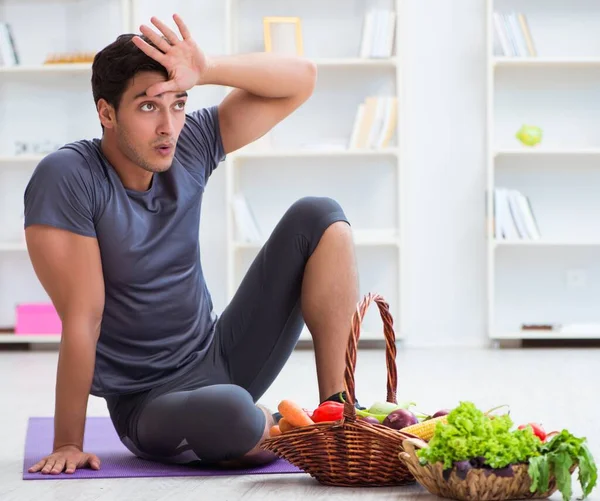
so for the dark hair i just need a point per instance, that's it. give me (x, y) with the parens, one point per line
(116, 64)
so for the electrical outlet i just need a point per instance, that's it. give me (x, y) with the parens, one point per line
(576, 278)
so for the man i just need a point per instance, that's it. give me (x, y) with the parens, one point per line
(112, 229)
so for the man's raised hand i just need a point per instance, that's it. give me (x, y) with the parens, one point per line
(185, 62)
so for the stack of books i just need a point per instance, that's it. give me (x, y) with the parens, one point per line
(513, 216)
(513, 35)
(374, 123)
(8, 50)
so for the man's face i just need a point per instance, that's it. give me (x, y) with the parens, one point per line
(147, 128)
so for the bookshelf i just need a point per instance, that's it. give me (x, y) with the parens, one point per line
(308, 153)
(549, 279)
(546, 61)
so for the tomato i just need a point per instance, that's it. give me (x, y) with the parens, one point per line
(537, 428)
(328, 411)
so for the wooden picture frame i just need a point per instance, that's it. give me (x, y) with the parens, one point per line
(283, 35)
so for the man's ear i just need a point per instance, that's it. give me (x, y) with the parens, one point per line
(107, 114)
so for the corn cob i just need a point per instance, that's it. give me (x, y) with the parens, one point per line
(425, 429)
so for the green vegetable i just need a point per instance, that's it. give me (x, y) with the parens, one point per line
(556, 457)
(386, 408)
(470, 434)
(380, 410)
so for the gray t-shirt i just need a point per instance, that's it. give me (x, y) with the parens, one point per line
(158, 314)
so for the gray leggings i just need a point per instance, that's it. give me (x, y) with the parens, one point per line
(209, 413)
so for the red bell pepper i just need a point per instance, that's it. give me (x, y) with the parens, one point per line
(538, 430)
(328, 411)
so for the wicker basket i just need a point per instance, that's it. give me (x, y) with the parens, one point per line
(351, 452)
(478, 485)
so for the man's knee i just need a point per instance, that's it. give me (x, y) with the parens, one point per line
(308, 210)
(229, 423)
(312, 216)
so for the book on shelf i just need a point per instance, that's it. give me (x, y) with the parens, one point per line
(513, 35)
(379, 26)
(8, 50)
(374, 123)
(513, 216)
(245, 222)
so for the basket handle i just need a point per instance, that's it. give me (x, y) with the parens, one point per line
(408, 454)
(410, 445)
(390, 352)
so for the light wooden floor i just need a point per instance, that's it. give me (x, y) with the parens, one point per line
(559, 388)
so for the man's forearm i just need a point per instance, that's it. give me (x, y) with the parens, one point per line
(262, 73)
(73, 383)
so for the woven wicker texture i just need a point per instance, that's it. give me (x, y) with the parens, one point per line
(351, 452)
(478, 485)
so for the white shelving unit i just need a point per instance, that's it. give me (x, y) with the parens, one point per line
(542, 151)
(29, 339)
(368, 184)
(554, 280)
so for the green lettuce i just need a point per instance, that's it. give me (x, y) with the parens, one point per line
(471, 434)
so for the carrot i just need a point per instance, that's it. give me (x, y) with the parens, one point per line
(294, 414)
(274, 431)
(285, 426)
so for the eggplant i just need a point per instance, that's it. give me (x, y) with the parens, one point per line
(478, 462)
(505, 472)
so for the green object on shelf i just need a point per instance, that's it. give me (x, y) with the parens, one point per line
(529, 135)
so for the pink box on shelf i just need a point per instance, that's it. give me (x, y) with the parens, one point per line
(37, 318)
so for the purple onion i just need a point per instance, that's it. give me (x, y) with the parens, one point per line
(400, 418)
(462, 468)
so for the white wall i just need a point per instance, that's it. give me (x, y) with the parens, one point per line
(444, 112)
(443, 107)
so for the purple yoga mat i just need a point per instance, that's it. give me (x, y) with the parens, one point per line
(116, 460)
